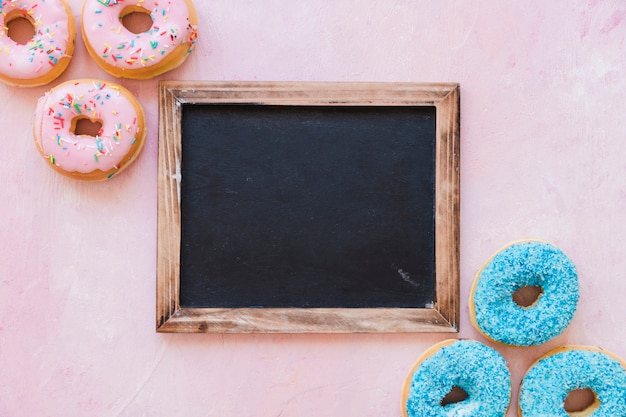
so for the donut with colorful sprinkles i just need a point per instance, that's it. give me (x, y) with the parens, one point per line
(36, 41)
(524, 264)
(465, 366)
(112, 109)
(139, 52)
(555, 375)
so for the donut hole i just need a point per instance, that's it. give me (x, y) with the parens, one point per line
(581, 402)
(136, 19)
(527, 296)
(20, 29)
(455, 395)
(86, 126)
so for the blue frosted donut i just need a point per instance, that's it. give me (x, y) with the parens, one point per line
(477, 369)
(526, 263)
(549, 381)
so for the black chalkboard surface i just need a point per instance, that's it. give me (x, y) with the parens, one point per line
(308, 207)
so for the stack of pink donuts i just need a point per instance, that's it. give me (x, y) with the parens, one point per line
(90, 129)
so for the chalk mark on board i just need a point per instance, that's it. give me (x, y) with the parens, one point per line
(407, 277)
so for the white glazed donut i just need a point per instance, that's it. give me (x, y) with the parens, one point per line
(85, 157)
(48, 53)
(123, 53)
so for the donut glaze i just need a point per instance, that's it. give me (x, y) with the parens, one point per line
(525, 263)
(139, 55)
(44, 57)
(548, 382)
(82, 156)
(478, 369)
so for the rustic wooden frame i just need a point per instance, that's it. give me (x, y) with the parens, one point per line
(442, 317)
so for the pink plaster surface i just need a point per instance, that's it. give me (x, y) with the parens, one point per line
(543, 104)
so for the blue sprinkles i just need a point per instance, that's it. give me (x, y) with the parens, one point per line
(478, 369)
(550, 380)
(528, 263)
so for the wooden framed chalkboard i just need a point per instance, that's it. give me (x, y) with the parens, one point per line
(308, 207)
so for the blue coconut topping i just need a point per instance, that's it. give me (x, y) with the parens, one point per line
(549, 381)
(478, 369)
(523, 264)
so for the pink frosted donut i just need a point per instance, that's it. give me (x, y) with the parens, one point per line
(82, 156)
(124, 53)
(44, 56)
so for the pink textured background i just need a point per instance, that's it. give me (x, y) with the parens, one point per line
(543, 121)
